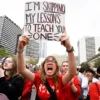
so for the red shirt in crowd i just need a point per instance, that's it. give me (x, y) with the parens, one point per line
(26, 90)
(68, 94)
(94, 92)
(43, 93)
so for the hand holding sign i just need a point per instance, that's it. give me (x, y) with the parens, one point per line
(64, 38)
(23, 41)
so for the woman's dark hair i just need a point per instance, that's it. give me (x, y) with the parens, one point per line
(90, 70)
(98, 69)
(82, 70)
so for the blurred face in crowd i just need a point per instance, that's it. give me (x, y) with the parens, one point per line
(8, 64)
(89, 75)
(64, 67)
(50, 66)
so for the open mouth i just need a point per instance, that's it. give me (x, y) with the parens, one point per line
(50, 69)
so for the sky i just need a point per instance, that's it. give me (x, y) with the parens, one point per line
(82, 19)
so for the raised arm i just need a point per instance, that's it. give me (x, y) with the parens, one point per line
(23, 41)
(64, 38)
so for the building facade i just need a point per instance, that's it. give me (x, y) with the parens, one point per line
(36, 49)
(32, 49)
(43, 48)
(87, 48)
(9, 34)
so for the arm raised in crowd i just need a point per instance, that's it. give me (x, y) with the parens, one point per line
(64, 38)
(23, 41)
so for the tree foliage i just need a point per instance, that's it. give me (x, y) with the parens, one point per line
(32, 61)
(97, 63)
(4, 53)
(85, 65)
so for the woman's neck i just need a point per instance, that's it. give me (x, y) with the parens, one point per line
(49, 76)
(7, 73)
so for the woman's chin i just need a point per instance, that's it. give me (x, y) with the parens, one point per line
(50, 74)
(6, 68)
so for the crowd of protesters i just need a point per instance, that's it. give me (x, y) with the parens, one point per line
(13, 86)
(51, 81)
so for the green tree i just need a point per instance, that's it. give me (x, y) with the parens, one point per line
(32, 61)
(85, 65)
(97, 63)
(4, 53)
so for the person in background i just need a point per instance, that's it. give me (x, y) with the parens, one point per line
(49, 72)
(37, 69)
(73, 89)
(98, 73)
(89, 74)
(11, 83)
(94, 88)
(30, 67)
(83, 81)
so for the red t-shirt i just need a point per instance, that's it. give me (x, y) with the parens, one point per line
(43, 93)
(26, 90)
(94, 92)
(68, 94)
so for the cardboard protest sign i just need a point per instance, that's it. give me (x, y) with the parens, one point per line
(44, 20)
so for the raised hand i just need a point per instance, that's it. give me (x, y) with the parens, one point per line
(23, 41)
(64, 38)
